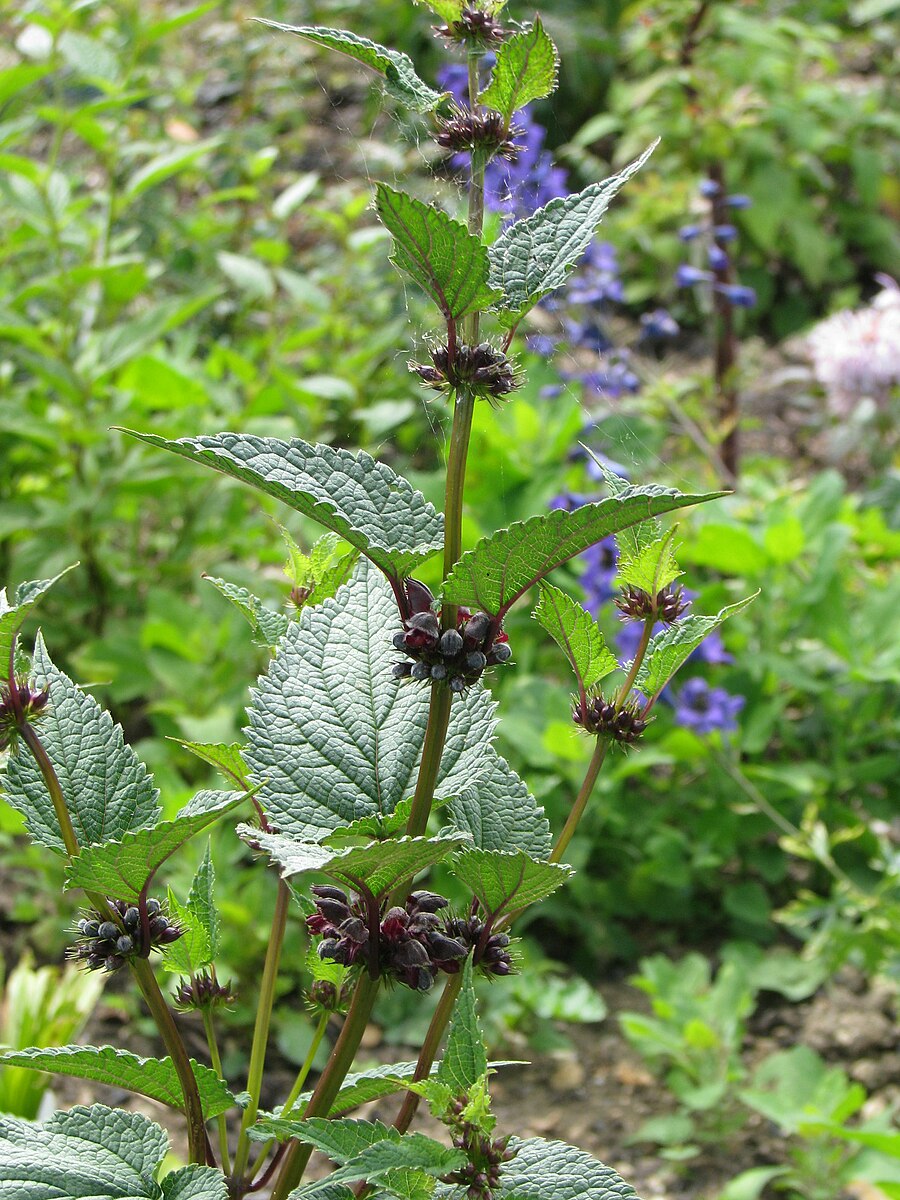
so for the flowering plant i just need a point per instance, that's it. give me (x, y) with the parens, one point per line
(369, 753)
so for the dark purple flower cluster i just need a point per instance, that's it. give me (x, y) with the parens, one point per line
(490, 950)
(620, 723)
(203, 991)
(108, 944)
(668, 605)
(411, 944)
(457, 657)
(19, 702)
(713, 237)
(482, 371)
(474, 28)
(480, 1177)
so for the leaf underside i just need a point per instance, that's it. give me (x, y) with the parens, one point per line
(107, 790)
(397, 69)
(504, 565)
(545, 1170)
(377, 511)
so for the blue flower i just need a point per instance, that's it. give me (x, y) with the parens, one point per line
(540, 343)
(687, 233)
(687, 276)
(738, 200)
(709, 188)
(658, 325)
(740, 297)
(599, 573)
(725, 233)
(718, 259)
(597, 278)
(706, 709)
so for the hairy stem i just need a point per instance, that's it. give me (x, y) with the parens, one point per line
(330, 1081)
(726, 346)
(216, 1059)
(584, 794)
(625, 689)
(439, 1022)
(294, 1094)
(261, 1029)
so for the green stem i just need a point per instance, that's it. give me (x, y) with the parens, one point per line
(330, 1081)
(584, 794)
(261, 1029)
(626, 687)
(143, 972)
(439, 1022)
(294, 1094)
(432, 752)
(216, 1060)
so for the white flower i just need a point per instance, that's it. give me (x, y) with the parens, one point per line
(856, 355)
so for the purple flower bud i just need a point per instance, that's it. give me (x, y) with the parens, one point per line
(451, 643)
(709, 188)
(725, 233)
(738, 200)
(687, 233)
(418, 596)
(501, 652)
(740, 297)
(718, 259)
(687, 276)
(656, 326)
(402, 670)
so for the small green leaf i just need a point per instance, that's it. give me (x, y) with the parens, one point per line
(670, 649)
(107, 790)
(650, 567)
(153, 1077)
(194, 1183)
(267, 624)
(535, 255)
(123, 869)
(577, 634)
(12, 616)
(227, 758)
(375, 510)
(164, 166)
(525, 70)
(557, 1171)
(503, 880)
(465, 1058)
(398, 70)
(201, 900)
(380, 866)
(448, 10)
(192, 952)
(319, 574)
(440, 254)
(504, 565)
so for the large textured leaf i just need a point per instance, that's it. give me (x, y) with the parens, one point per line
(379, 865)
(440, 254)
(670, 649)
(153, 1077)
(503, 881)
(13, 615)
(577, 634)
(397, 69)
(107, 789)
(464, 1061)
(124, 868)
(525, 70)
(95, 1153)
(504, 565)
(372, 508)
(499, 813)
(545, 1170)
(194, 1183)
(369, 1150)
(332, 737)
(535, 256)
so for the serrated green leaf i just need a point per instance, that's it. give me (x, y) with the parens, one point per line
(12, 616)
(107, 790)
(446, 261)
(153, 1077)
(525, 70)
(632, 540)
(448, 10)
(332, 737)
(545, 1170)
(201, 899)
(465, 1058)
(345, 1139)
(498, 811)
(369, 1150)
(672, 647)
(372, 508)
(504, 565)
(650, 567)
(379, 865)
(227, 758)
(267, 624)
(535, 255)
(359, 1088)
(397, 69)
(406, 1184)
(95, 1153)
(194, 1183)
(319, 574)
(504, 880)
(123, 869)
(192, 952)
(577, 634)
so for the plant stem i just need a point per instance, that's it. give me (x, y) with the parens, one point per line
(330, 1081)
(295, 1091)
(726, 347)
(584, 794)
(625, 689)
(439, 1022)
(216, 1060)
(261, 1029)
(143, 973)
